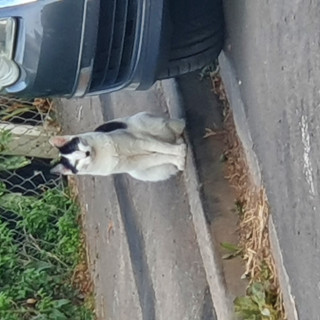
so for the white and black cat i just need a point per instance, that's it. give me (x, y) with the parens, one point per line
(147, 147)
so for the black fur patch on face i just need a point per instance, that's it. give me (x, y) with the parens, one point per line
(70, 146)
(111, 126)
(66, 163)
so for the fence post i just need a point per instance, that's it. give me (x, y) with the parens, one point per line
(30, 141)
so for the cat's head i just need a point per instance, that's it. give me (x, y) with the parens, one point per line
(76, 154)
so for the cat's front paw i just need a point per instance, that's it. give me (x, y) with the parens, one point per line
(180, 163)
(182, 150)
(179, 140)
(181, 158)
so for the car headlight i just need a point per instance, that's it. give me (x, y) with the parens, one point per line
(9, 71)
(12, 3)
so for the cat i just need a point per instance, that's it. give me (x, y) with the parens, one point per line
(147, 147)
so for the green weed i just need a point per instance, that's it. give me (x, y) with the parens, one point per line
(231, 249)
(10, 162)
(38, 255)
(258, 304)
(209, 70)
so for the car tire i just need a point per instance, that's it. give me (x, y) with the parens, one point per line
(197, 35)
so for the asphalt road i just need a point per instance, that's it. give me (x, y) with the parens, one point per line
(274, 47)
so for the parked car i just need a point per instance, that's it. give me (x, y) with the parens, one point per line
(77, 47)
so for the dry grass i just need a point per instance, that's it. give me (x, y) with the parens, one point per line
(253, 207)
(14, 108)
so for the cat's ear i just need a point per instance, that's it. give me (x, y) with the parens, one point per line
(59, 141)
(61, 169)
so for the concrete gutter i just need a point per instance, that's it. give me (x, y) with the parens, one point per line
(208, 247)
(232, 84)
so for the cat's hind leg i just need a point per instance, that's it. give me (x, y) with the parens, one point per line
(162, 128)
(145, 162)
(157, 173)
(158, 146)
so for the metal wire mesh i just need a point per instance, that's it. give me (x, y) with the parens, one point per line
(25, 154)
(40, 237)
(30, 124)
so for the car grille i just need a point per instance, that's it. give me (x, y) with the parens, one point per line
(116, 36)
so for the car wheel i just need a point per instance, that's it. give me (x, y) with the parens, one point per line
(197, 36)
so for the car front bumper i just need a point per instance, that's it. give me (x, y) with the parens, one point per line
(77, 47)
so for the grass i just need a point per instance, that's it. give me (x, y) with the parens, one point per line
(41, 254)
(38, 256)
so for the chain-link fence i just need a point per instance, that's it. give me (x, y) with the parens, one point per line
(25, 128)
(25, 154)
(39, 231)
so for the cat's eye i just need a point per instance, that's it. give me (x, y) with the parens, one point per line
(87, 153)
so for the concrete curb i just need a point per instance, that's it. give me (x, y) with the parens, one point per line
(229, 77)
(284, 280)
(210, 256)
